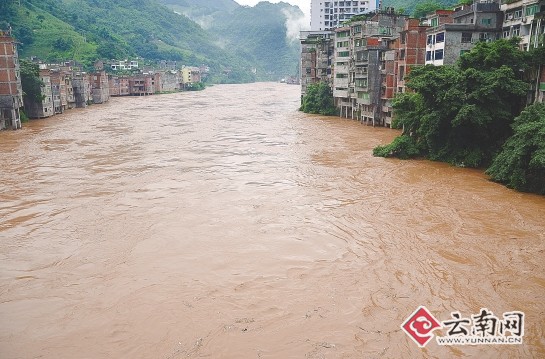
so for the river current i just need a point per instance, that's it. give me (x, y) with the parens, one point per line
(226, 224)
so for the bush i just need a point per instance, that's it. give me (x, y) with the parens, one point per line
(319, 100)
(521, 162)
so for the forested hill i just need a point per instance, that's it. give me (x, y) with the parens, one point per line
(410, 6)
(87, 30)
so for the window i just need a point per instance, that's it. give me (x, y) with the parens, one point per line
(429, 56)
(402, 54)
(439, 54)
(532, 9)
(440, 37)
(361, 83)
(341, 76)
(435, 22)
(466, 37)
(505, 33)
(343, 54)
(403, 37)
(516, 30)
(431, 39)
(486, 21)
(518, 14)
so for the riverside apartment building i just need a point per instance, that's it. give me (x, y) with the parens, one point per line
(11, 93)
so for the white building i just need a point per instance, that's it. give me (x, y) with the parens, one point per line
(328, 14)
(521, 20)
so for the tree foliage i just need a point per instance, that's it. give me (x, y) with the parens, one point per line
(30, 80)
(521, 162)
(319, 100)
(461, 114)
(426, 7)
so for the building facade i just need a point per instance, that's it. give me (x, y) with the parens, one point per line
(316, 58)
(327, 15)
(525, 19)
(364, 71)
(11, 93)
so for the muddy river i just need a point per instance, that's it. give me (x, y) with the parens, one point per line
(226, 224)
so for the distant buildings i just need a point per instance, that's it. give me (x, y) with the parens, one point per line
(65, 86)
(327, 15)
(366, 61)
(11, 93)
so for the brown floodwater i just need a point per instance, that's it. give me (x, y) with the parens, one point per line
(226, 224)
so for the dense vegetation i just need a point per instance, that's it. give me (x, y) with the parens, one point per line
(87, 30)
(419, 8)
(521, 163)
(462, 114)
(318, 100)
(30, 80)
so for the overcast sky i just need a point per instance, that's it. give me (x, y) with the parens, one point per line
(303, 4)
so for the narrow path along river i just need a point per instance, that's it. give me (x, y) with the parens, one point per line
(226, 224)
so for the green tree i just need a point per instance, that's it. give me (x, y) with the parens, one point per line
(426, 7)
(460, 114)
(30, 80)
(521, 162)
(319, 100)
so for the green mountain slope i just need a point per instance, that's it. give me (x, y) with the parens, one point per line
(197, 9)
(260, 35)
(410, 5)
(237, 41)
(114, 29)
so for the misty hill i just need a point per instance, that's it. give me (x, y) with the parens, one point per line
(197, 9)
(266, 34)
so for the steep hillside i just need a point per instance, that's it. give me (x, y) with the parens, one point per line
(410, 5)
(199, 10)
(260, 35)
(92, 29)
(237, 42)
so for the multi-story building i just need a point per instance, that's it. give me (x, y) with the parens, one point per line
(410, 50)
(100, 87)
(316, 58)
(327, 15)
(11, 93)
(124, 65)
(59, 89)
(341, 72)
(142, 85)
(82, 89)
(119, 86)
(480, 21)
(169, 80)
(524, 19)
(360, 54)
(435, 45)
(190, 75)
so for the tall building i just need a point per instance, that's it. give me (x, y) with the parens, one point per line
(526, 20)
(327, 15)
(462, 29)
(361, 53)
(11, 93)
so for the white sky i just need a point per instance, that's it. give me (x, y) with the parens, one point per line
(303, 4)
